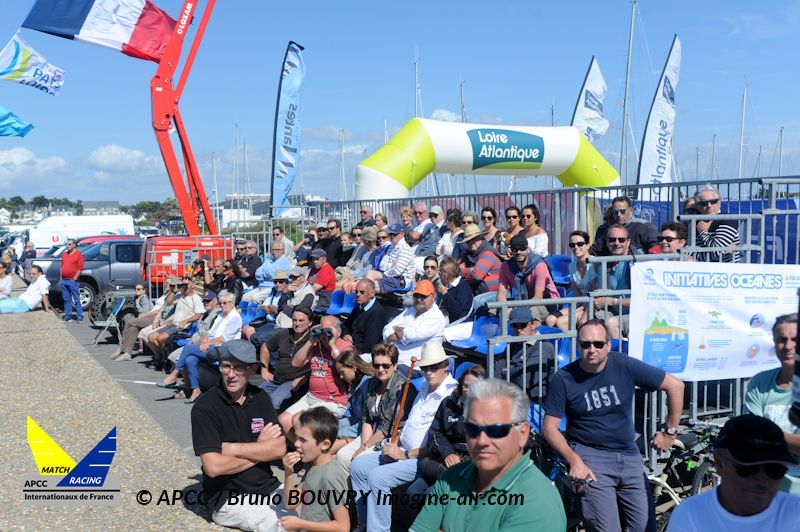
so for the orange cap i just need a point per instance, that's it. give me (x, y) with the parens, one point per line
(425, 288)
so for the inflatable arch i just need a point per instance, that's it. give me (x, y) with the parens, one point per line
(424, 146)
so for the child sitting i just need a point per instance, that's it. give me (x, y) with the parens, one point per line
(316, 430)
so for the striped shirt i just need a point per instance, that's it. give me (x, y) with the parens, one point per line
(486, 269)
(399, 262)
(720, 235)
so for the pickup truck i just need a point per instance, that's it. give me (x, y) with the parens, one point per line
(109, 265)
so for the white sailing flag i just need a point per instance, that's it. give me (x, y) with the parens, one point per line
(655, 164)
(19, 62)
(588, 116)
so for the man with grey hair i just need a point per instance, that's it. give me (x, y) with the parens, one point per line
(250, 260)
(496, 429)
(366, 217)
(713, 233)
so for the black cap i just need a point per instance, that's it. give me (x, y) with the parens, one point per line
(518, 241)
(752, 440)
(239, 350)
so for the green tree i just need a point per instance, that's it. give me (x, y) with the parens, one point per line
(40, 201)
(16, 201)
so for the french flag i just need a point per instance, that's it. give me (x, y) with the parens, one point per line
(136, 27)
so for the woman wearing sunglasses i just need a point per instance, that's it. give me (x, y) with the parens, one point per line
(537, 237)
(491, 233)
(513, 227)
(672, 240)
(581, 275)
(384, 392)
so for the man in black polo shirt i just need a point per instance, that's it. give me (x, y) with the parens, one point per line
(236, 434)
(364, 327)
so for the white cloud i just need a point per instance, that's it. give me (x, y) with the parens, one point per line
(20, 168)
(116, 159)
(785, 22)
(445, 115)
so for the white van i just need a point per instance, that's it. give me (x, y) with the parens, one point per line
(55, 230)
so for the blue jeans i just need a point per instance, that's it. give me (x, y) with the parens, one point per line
(13, 305)
(69, 290)
(277, 392)
(620, 499)
(190, 358)
(370, 472)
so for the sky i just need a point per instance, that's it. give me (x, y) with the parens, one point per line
(518, 60)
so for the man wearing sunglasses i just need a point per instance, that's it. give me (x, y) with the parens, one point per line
(250, 260)
(236, 434)
(496, 429)
(364, 326)
(527, 276)
(367, 220)
(643, 234)
(595, 394)
(750, 456)
(713, 233)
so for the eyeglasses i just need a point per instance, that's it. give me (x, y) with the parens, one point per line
(420, 297)
(706, 203)
(577, 244)
(518, 250)
(364, 212)
(239, 369)
(619, 211)
(223, 302)
(281, 281)
(322, 230)
(356, 234)
(619, 239)
(239, 249)
(598, 344)
(139, 289)
(383, 238)
(436, 367)
(667, 238)
(331, 228)
(430, 267)
(362, 292)
(419, 212)
(468, 222)
(251, 247)
(509, 217)
(487, 217)
(518, 325)
(496, 431)
(381, 366)
(276, 235)
(433, 215)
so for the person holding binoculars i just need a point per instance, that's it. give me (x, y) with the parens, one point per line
(325, 386)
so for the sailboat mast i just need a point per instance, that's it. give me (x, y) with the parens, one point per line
(713, 155)
(623, 165)
(780, 153)
(216, 195)
(741, 129)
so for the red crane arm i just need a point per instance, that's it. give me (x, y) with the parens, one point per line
(165, 98)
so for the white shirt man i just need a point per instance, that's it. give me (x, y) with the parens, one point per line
(417, 325)
(36, 294)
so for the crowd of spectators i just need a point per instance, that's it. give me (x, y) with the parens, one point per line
(371, 394)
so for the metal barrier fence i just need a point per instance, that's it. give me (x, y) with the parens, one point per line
(294, 226)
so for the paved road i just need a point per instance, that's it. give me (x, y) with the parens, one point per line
(139, 381)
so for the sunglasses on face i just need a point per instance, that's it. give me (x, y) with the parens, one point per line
(496, 431)
(668, 239)
(383, 238)
(511, 217)
(518, 250)
(381, 366)
(706, 203)
(527, 216)
(239, 249)
(619, 239)
(487, 218)
(598, 344)
(356, 234)
(773, 471)
(420, 297)
(430, 267)
(577, 244)
(363, 212)
(468, 222)
(331, 228)
(619, 211)
(433, 215)
(435, 367)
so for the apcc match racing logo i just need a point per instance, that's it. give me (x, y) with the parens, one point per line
(62, 482)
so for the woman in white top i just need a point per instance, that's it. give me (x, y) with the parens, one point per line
(453, 236)
(581, 274)
(6, 282)
(537, 237)
(227, 326)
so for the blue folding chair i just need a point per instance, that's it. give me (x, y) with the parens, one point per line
(335, 308)
(112, 320)
(619, 345)
(559, 266)
(480, 323)
(190, 331)
(418, 382)
(464, 366)
(349, 304)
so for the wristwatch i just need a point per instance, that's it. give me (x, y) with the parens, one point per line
(672, 431)
(405, 453)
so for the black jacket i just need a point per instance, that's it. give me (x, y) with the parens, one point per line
(642, 233)
(366, 328)
(446, 434)
(535, 389)
(457, 302)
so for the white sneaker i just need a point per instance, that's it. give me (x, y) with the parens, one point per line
(122, 356)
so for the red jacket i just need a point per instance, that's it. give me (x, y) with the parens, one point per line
(71, 264)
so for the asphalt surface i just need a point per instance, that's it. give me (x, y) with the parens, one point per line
(76, 395)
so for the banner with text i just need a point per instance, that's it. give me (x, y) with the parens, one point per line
(700, 322)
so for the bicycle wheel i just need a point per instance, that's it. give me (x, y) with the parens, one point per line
(662, 520)
(705, 478)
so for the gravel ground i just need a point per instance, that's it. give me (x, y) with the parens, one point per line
(51, 377)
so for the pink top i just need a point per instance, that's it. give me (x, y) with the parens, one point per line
(325, 382)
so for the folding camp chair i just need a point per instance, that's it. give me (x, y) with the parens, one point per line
(112, 320)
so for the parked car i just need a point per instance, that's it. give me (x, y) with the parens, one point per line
(109, 265)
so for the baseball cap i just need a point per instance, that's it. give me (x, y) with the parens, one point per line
(753, 440)
(437, 209)
(280, 275)
(239, 350)
(395, 229)
(209, 295)
(425, 288)
(317, 253)
(520, 315)
(518, 241)
(471, 232)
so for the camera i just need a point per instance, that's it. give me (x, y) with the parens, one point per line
(318, 331)
(309, 237)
